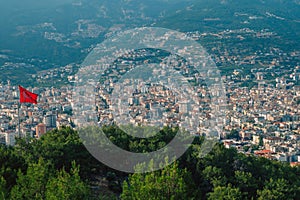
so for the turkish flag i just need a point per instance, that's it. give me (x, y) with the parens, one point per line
(26, 96)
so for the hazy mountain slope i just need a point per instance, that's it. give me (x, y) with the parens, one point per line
(59, 31)
(214, 15)
(45, 34)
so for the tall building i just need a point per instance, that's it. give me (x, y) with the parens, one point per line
(40, 130)
(184, 107)
(50, 121)
(2, 138)
(10, 139)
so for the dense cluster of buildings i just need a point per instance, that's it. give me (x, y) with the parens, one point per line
(263, 120)
(157, 99)
(53, 110)
(267, 120)
(266, 117)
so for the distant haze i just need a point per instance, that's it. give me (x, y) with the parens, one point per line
(14, 5)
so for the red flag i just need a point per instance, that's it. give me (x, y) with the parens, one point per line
(26, 96)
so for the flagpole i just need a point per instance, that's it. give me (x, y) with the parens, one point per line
(25, 97)
(19, 132)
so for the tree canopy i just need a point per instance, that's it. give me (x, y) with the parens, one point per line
(58, 166)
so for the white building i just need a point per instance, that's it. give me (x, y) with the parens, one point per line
(10, 139)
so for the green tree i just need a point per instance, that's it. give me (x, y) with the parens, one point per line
(277, 190)
(225, 193)
(2, 188)
(67, 186)
(10, 164)
(246, 183)
(32, 184)
(60, 148)
(234, 134)
(215, 176)
(169, 183)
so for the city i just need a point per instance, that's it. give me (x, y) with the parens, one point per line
(158, 100)
(263, 121)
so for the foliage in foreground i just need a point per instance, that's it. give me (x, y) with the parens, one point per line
(59, 167)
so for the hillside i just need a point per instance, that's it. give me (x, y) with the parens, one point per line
(215, 15)
(44, 36)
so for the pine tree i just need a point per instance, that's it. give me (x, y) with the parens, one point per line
(67, 186)
(225, 193)
(169, 183)
(32, 184)
(2, 188)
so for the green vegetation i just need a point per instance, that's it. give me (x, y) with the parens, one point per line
(58, 166)
(194, 19)
(169, 183)
(234, 134)
(23, 37)
(227, 192)
(73, 187)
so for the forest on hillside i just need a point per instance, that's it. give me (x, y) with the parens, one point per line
(58, 166)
